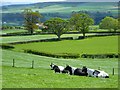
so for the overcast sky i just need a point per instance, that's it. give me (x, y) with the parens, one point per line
(33, 1)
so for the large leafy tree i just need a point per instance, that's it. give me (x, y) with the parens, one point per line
(57, 26)
(31, 19)
(109, 23)
(81, 22)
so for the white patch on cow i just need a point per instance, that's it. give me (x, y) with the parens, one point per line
(61, 68)
(102, 74)
(90, 72)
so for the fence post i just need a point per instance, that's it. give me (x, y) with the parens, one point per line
(113, 72)
(33, 64)
(13, 63)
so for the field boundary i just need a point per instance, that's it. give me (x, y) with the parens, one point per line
(64, 38)
(58, 55)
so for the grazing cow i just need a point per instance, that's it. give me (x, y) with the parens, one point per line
(95, 73)
(75, 71)
(58, 68)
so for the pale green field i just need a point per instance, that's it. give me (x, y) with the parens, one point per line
(10, 39)
(22, 76)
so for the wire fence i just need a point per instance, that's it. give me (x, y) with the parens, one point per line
(32, 64)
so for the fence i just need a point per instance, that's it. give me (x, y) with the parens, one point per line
(32, 66)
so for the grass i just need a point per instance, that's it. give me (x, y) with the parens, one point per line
(10, 39)
(12, 31)
(96, 45)
(22, 76)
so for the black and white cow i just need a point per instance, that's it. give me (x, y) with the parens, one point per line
(58, 68)
(95, 73)
(75, 71)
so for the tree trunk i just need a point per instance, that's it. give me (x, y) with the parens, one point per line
(114, 30)
(31, 31)
(59, 37)
(83, 34)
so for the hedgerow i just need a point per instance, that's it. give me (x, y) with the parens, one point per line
(59, 55)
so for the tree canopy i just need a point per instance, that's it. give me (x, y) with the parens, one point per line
(81, 22)
(109, 23)
(57, 26)
(31, 19)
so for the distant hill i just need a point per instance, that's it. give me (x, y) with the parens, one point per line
(60, 9)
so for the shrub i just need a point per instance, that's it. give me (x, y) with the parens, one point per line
(99, 56)
(5, 46)
(60, 55)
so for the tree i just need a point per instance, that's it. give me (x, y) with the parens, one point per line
(115, 24)
(81, 22)
(109, 23)
(31, 19)
(56, 25)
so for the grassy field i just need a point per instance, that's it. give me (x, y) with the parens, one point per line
(10, 39)
(22, 76)
(12, 31)
(96, 45)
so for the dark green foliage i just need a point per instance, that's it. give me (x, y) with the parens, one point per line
(81, 22)
(31, 19)
(61, 55)
(99, 56)
(5, 46)
(109, 23)
(7, 27)
(56, 25)
(100, 35)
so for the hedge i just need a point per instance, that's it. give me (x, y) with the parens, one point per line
(99, 35)
(60, 55)
(42, 40)
(5, 46)
(100, 56)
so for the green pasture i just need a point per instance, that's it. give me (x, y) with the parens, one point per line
(12, 31)
(96, 45)
(23, 76)
(10, 39)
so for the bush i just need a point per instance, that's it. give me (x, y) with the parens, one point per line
(99, 56)
(61, 55)
(5, 46)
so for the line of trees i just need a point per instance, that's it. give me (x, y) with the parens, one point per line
(78, 21)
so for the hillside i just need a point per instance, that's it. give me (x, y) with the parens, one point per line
(97, 10)
(62, 7)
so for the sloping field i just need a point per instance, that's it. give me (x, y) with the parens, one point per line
(22, 76)
(64, 7)
(96, 45)
(12, 39)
